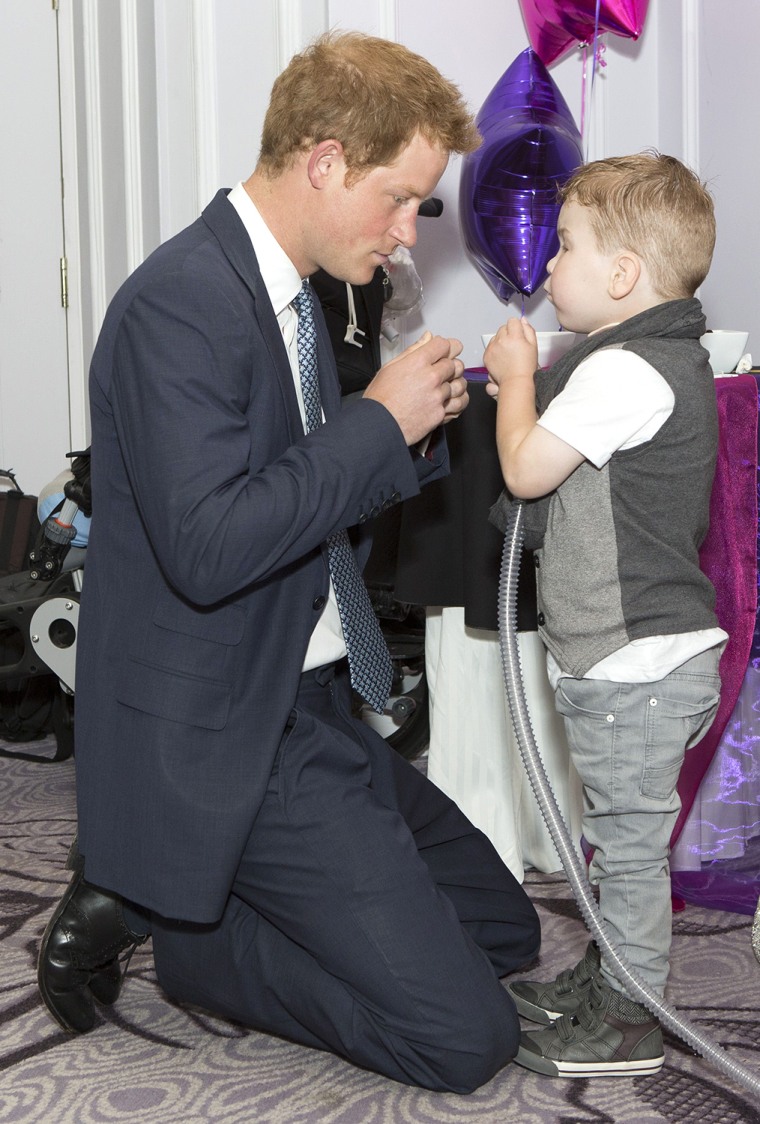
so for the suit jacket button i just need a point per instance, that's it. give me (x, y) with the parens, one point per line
(541, 619)
(395, 497)
(374, 511)
(319, 603)
(363, 517)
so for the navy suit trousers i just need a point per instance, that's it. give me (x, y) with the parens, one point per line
(368, 916)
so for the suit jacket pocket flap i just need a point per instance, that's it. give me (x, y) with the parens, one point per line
(176, 697)
(222, 625)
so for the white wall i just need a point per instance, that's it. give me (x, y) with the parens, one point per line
(729, 159)
(162, 101)
(475, 52)
(34, 400)
(667, 90)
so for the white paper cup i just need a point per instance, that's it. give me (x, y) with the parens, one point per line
(551, 345)
(725, 349)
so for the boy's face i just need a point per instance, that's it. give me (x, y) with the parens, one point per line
(579, 275)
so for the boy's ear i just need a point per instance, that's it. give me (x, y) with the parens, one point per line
(626, 271)
(325, 161)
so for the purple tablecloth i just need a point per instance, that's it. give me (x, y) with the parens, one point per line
(730, 557)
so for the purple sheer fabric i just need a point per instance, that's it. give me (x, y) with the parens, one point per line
(726, 757)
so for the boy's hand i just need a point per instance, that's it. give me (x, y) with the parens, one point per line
(512, 353)
(533, 460)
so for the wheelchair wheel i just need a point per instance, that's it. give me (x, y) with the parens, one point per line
(63, 724)
(410, 710)
(405, 722)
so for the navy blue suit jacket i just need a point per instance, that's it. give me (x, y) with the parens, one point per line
(206, 568)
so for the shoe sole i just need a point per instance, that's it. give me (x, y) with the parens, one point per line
(551, 1067)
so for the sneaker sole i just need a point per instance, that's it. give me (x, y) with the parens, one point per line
(551, 1067)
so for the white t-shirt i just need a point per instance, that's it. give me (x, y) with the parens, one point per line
(615, 400)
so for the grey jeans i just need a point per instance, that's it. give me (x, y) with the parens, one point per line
(627, 742)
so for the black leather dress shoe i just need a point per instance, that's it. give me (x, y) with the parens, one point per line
(79, 956)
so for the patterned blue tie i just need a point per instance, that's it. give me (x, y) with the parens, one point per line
(368, 657)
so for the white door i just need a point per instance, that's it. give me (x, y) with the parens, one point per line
(34, 395)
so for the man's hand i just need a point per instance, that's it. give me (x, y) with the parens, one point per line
(512, 353)
(423, 387)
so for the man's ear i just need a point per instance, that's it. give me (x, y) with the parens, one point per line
(325, 161)
(626, 271)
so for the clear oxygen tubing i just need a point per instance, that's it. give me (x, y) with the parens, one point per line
(575, 871)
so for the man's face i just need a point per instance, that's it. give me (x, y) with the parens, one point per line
(363, 224)
(579, 274)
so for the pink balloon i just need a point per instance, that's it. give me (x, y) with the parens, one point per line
(555, 26)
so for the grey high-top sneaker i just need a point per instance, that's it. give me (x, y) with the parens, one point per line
(545, 1002)
(610, 1035)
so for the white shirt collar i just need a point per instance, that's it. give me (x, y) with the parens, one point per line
(280, 276)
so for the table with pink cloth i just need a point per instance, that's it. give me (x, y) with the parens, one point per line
(450, 555)
(715, 857)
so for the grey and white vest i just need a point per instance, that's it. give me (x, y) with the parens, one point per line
(617, 548)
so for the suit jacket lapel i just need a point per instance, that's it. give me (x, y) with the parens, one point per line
(224, 222)
(229, 231)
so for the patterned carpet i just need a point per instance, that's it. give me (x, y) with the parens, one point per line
(151, 1062)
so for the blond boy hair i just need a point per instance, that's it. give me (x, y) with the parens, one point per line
(655, 206)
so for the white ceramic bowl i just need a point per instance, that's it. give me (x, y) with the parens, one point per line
(725, 349)
(551, 345)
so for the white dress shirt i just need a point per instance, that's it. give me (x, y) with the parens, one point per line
(283, 283)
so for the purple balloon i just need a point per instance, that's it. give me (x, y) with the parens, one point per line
(508, 204)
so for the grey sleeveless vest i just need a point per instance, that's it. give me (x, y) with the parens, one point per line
(617, 547)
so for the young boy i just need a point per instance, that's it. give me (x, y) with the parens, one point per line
(616, 443)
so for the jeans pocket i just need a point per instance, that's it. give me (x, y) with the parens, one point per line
(585, 698)
(679, 713)
(588, 708)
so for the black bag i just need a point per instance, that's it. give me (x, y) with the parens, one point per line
(32, 702)
(19, 527)
(26, 709)
(359, 361)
